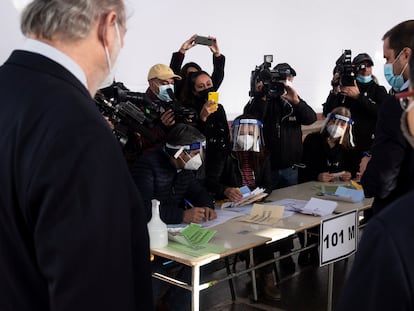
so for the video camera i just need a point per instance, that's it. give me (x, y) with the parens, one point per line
(127, 111)
(346, 69)
(273, 87)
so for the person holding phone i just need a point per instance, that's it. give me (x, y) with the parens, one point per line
(211, 118)
(177, 60)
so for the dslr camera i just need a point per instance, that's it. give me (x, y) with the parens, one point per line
(346, 69)
(273, 87)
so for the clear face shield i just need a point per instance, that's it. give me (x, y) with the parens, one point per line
(192, 155)
(336, 126)
(247, 135)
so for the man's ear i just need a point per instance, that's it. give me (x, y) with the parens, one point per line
(106, 29)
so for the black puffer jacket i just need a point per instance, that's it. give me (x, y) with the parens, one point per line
(157, 178)
(282, 128)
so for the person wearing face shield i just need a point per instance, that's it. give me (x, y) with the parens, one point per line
(328, 155)
(383, 269)
(248, 164)
(73, 230)
(330, 151)
(363, 99)
(167, 173)
(387, 173)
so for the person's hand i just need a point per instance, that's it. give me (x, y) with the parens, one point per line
(111, 125)
(350, 91)
(188, 44)
(168, 118)
(198, 215)
(195, 215)
(214, 47)
(363, 165)
(208, 108)
(291, 95)
(346, 176)
(336, 89)
(325, 177)
(233, 194)
(210, 214)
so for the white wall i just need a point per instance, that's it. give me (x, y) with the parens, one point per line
(308, 34)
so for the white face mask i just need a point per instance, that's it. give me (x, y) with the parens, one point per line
(245, 142)
(335, 131)
(194, 163)
(112, 65)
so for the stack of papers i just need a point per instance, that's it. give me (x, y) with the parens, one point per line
(249, 196)
(264, 214)
(319, 207)
(193, 236)
(344, 194)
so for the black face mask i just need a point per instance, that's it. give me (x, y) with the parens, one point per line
(204, 93)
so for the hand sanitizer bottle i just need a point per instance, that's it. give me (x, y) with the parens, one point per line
(157, 229)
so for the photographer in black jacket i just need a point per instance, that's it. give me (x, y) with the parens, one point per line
(363, 99)
(283, 112)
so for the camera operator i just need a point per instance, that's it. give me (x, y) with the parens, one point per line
(161, 79)
(283, 112)
(282, 115)
(362, 97)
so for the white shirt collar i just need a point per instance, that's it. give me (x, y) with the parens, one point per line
(54, 54)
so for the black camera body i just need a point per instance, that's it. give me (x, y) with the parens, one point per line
(271, 78)
(128, 111)
(346, 69)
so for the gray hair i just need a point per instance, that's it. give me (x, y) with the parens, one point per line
(67, 19)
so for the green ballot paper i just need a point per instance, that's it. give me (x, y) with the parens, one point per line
(193, 236)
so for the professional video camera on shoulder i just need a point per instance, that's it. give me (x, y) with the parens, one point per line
(346, 69)
(128, 111)
(273, 87)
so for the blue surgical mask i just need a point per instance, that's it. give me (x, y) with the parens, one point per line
(396, 82)
(364, 79)
(163, 94)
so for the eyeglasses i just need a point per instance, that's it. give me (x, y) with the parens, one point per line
(405, 98)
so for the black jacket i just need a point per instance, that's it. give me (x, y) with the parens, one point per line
(282, 128)
(157, 178)
(389, 173)
(319, 157)
(364, 112)
(215, 129)
(73, 233)
(382, 275)
(228, 174)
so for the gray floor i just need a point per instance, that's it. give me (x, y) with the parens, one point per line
(304, 290)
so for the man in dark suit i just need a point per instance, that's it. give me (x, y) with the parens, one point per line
(388, 174)
(73, 234)
(383, 271)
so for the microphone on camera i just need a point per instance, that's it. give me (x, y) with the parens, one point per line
(171, 94)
